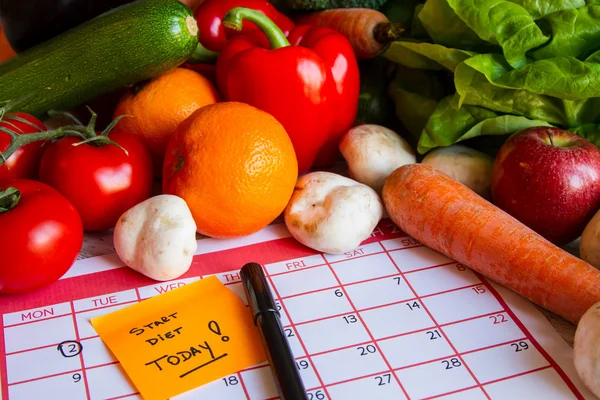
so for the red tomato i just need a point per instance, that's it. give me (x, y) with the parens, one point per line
(101, 181)
(24, 162)
(44, 238)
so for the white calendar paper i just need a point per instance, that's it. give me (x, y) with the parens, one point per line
(390, 320)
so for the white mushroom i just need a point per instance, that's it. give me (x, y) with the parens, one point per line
(465, 165)
(373, 152)
(586, 349)
(157, 237)
(331, 213)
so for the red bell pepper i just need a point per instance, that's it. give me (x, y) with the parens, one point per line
(209, 15)
(310, 86)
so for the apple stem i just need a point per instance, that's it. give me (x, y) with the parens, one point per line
(550, 137)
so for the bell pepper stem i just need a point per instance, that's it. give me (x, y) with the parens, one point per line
(9, 199)
(202, 55)
(234, 18)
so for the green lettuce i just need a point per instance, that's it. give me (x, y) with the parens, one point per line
(425, 55)
(538, 9)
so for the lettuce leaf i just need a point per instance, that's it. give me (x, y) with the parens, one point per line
(446, 28)
(425, 55)
(502, 22)
(575, 33)
(538, 9)
(563, 77)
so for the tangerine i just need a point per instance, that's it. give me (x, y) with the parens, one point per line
(160, 104)
(235, 167)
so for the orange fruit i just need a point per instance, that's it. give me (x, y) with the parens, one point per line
(235, 167)
(160, 104)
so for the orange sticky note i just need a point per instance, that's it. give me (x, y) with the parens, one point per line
(182, 339)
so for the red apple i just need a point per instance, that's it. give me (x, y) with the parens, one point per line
(549, 179)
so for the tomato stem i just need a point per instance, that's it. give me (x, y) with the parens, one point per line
(9, 199)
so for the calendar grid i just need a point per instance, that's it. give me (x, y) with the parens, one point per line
(376, 282)
(458, 355)
(78, 339)
(360, 318)
(306, 353)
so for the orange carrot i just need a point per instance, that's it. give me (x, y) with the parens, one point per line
(369, 31)
(446, 216)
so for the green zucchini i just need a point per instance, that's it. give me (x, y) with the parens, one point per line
(123, 46)
(375, 106)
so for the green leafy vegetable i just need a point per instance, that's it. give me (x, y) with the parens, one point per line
(417, 30)
(563, 77)
(538, 9)
(446, 28)
(590, 132)
(502, 22)
(425, 55)
(575, 33)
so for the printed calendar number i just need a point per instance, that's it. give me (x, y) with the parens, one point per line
(479, 289)
(433, 335)
(461, 267)
(350, 319)
(339, 293)
(414, 305)
(302, 364)
(69, 348)
(76, 377)
(398, 280)
(520, 346)
(498, 319)
(231, 380)
(383, 379)
(289, 332)
(278, 306)
(366, 350)
(317, 395)
(452, 363)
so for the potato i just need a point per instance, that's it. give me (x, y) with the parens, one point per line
(465, 165)
(589, 245)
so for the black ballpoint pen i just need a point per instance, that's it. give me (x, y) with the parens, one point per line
(267, 319)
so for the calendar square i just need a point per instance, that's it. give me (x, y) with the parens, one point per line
(307, 372)
(68, 387)
(259, 383)
(97, 379)
(483, 332)
(441, 279)
(364, 268)
(353, 362)
(159, 288)
(238, 289)
(400, 243)
(416, 258)
(462, 304)
(435, 378)
(469, 394)
(415, 348)
(38, 364)
(36, 314)
(227, 388)
(307, 280)
(95, 353)
(396, 319)
(282, 314)
(378, 387)
(509, 359)
(326, 303)
(27, 336)
(379, 292)
(528, 387)
(291, 335)
(333, 333)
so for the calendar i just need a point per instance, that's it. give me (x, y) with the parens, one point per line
(391, 319)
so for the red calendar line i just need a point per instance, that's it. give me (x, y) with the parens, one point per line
(535, 343)
(83, 374)
(437, 396)
(244, 388)
(519, 374)
(441, 330)
(387, 363)
(124, 396)
(46, 376)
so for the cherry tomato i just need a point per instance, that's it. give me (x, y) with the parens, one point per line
(101, 181)
(24, 162)
(41, 239)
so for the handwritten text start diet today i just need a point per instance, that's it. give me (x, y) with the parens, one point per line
(149, 332)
